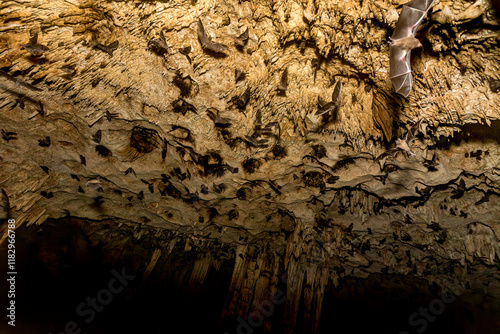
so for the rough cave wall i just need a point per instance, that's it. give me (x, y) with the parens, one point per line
(111, 123)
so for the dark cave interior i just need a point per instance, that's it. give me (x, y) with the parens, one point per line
(59, 269)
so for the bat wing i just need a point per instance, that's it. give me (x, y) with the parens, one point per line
(202, 36)
(391, 152)
(325, 108)
(321, 102)
(243, 38)
(216, 47)
(411, 16)
(400, 73)
(410, 136)
(422, 5)
(206, 42)
(336, 92)
(33, 38)
(113, 46)
(211, 114)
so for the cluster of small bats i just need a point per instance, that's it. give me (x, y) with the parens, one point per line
(401, 43)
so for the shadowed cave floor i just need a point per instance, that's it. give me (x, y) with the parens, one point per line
(56, 275)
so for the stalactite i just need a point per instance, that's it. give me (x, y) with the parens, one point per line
(296, 269)
(200, 270)
(309, 294)
(154, 258)
(234, 294)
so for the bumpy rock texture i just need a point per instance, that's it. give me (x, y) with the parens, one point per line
(186, 153)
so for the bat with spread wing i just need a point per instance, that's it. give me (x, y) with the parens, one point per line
(242, 39)
(403, 41)
(36, 49)
(159, 45)
(402, 144)
(206, 42)
(325, 107)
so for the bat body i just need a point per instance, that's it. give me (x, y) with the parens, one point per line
(185, 51)
(242, 100)
(242, 39)
(97, 137)
(239, 75)
(44, 142)
(206, 42)
(326, 107)
(33, 47)
(159, 45)
(8, 135)
(402, 144)
(130, 170)
(220, 122)
(109, 49)
(403, 41)
(284, 82)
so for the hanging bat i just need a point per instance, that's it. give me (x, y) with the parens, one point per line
(106, 48)
(239, 75)
(242, 100)
(232, 169)
(130, 170)
(164, 149)
(47, 194)
(403, 41)
(110, 115)
(284, 82)
(185, 51)
(97, 137)
(8, 135)
(103, 151)
(219, 188)
(206, 42)
(219, 122)
(95, 184)
(159, 45)
(183, 106)
(325, 107)
(33, 47)
(316, 66)
(150, 184)
(402, 144)
(242, 39)
(44, 142)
